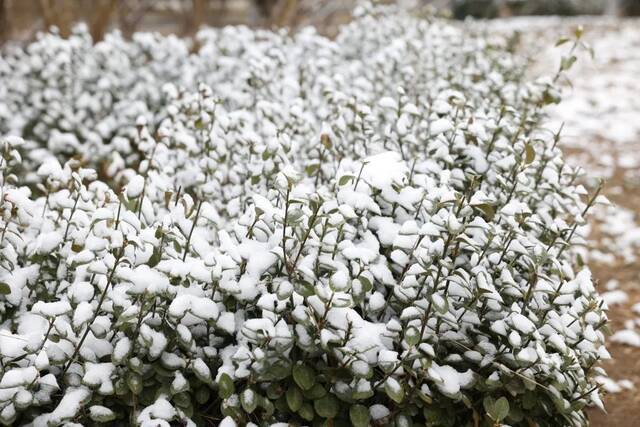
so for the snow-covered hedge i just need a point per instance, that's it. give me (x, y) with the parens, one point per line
(371, 229)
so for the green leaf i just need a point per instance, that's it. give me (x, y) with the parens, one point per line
(167, 199)
(155, 258)
(315, 392)
(182, 400)
(425, 398)
(280, 370)
(501, 409)
(101, 414)
(179, 387)
(394, 390)
(294, 398)
(249, 400)
(325, 141)
(345, 179)
(304, 376)
(403, 420)
(488, 403)
(441, 305)
(530, 154)
(136, 365)
(487, 209)
(562, 40)
(121, 387)
(134, 381)
(267, 406)
(567, 62)
(306, 411)
(312, 169)
(359, 416)
(327, 406)
(366, 283)
(225, 386)
(362, 395)
(281, 405)
(294, 216)
(4, 289)
(202, 395)
(274, 391)
(496, 409)
(304, 288)
(233, 412)
(412, 336)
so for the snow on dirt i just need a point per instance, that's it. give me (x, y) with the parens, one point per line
(600, 119)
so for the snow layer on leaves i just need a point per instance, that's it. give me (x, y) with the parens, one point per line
(280, 212)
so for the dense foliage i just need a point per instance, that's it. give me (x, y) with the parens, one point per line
(286, 228)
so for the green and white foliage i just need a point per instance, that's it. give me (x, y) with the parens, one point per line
(371, 229)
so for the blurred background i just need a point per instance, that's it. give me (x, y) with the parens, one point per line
(21, 19)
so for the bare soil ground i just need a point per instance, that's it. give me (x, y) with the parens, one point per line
(623, 409)
(601, 110)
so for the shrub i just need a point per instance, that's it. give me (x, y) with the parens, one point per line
(375, 229)
(66, 93)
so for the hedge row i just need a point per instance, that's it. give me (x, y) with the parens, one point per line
(267, 227)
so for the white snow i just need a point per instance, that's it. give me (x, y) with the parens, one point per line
(616, 297)
(69, 406)
(135, 186)
(522, 323)
(51, 309)
(18, 377)
(627, 336)
(449, 380)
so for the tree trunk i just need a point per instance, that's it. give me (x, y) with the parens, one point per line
(130, 14)
(5, 29)
(198, 15)
(101, 17)
(59, 13)
(630, 7)
(286, 12)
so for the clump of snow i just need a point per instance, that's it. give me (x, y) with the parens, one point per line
(616, 297)
(627, 336)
